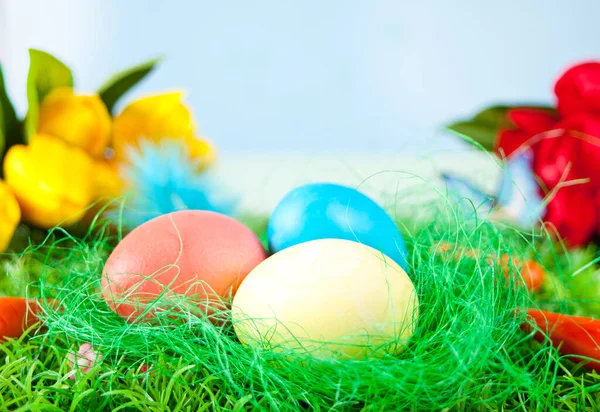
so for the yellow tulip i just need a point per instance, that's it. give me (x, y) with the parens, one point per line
(10, 215)
(107, 185)
(107, 182)
(81, 120)
(52, 181)
(155, 118)
(202, 150)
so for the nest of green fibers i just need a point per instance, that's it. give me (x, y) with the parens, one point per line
(468, 351)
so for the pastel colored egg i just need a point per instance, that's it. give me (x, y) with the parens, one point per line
(331, 211)
(198, 254)
(330, 298)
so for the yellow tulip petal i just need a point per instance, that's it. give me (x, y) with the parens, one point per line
(108, 185)
(10, 215)
(202, 150)
(107, 182)
(158, 102)
(153, 118)
(176, 124)
(80, 120)
(16, 169)
(52, 181)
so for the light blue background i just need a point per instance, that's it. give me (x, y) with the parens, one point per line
(315, 76)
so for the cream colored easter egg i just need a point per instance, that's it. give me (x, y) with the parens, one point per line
(330, 297)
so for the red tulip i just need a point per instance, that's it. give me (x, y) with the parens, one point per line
(578, 89)
(573, 213)
(528, 123)
(566, 152)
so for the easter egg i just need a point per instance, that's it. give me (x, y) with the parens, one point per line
(330, 298)
(198, 254)
(330, 211)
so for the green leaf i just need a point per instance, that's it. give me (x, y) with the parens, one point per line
(10, 127)
(478, 134)
(122, 82)
(483, 128)
(492, 116)
(2, 140)
(46, 72)
(547, 108)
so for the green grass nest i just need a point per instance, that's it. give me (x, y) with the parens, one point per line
(468, 352)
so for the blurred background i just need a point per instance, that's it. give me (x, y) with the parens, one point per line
(314, 76)
(334, 90)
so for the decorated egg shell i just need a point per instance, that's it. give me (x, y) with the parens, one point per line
(331, 211)
(330, 298)
(198, 254)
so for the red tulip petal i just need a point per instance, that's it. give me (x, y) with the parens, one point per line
(572, 211)
(578, 89)
(557, 160)
(585, 128)
(532, 121)
(509, 141)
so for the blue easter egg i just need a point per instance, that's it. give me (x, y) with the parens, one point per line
(330, 211)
